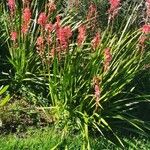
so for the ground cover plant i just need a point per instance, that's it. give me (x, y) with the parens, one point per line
(76, 63)
(47, 138)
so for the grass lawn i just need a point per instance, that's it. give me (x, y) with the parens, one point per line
(48, 139)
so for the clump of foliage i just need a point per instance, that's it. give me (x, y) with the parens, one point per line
(81, 67)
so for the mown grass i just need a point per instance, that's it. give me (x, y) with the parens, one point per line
(48, 139)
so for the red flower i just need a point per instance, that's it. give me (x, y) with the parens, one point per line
(63, 35)
(52, 52)
(146, 29)
(114, 7)
(147, 7)
(57, 23)
(26, 19)
(40, 46)
(68, 32)
(92, 17)
(42, 19)
(81, 35)
(97, 91)
(96, 41)
(107, 58)
(148, 1)
(107, 54)
(13, 36)
(114, 4)
(92, 11)
(49, 27)
(24, 28)
(11, 4)
(40, 40)
(26, 15)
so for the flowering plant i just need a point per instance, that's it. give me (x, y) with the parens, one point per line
(84, 76)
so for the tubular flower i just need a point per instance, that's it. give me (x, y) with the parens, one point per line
(114, 4)
(63, 35)
(92, 17)
(49, 27)
(147, 7)
(26, 15)
(142, 40)
(107, 59)
(68, 32)
(13, 36)
(92, 11)
(146, 29)
(96, 41)
(81, 35)
(52, 53)
(114, 7)
(11, 4)
(42, 19)
(26, 19)
(40, 41)
(57, 23)
(40, 46)
(51, 7)
(97, 90)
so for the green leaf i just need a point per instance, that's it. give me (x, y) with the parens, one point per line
(4, 89)
(4, 101)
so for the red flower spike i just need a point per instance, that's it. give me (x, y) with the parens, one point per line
(107, 58)
(26, 15)
(114, 4)
(40, 41)
(57, 23)
(147, 7)
(114, 7)
(81, 35)
(40, 46)
(49, 27)
(97, 91)
(68, 32)
(96, 41)
(26, 19)
(42, 19)
(11, 4)
(63, 35)
(24, 28)
(13, 36)
(146, 29)
(52, 52)
(92, 11)
(148, 1)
